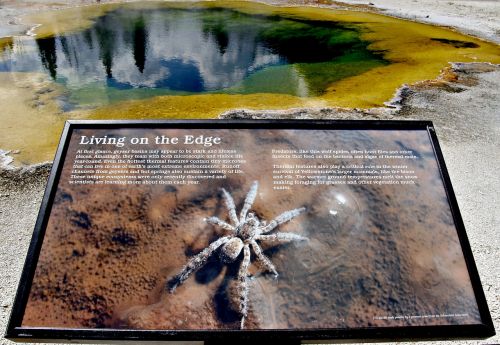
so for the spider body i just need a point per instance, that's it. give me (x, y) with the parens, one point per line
(231, 249)
(245, 233)
(248, 229)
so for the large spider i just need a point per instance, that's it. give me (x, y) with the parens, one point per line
(245, 232)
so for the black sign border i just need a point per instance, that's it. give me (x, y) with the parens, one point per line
(16, 332)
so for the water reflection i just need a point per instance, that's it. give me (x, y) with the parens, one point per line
(131, 53)
(47, 49)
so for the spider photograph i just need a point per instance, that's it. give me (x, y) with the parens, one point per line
(245, 232)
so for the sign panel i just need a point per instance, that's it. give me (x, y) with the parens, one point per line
(200, 230)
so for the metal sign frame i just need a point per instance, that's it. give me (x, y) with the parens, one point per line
(16, 332)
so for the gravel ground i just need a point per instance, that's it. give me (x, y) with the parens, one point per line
(466, 117)
(475, 17)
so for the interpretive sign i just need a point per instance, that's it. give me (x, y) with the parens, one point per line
(250, 230)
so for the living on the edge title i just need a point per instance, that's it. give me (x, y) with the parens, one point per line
(159, 140)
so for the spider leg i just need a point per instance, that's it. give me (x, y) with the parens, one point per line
(250, 198)
(242, 285)
(282, 218)
(196, 262)
(231, 208)
(282, 237)
(219, 222)
(263, 260)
